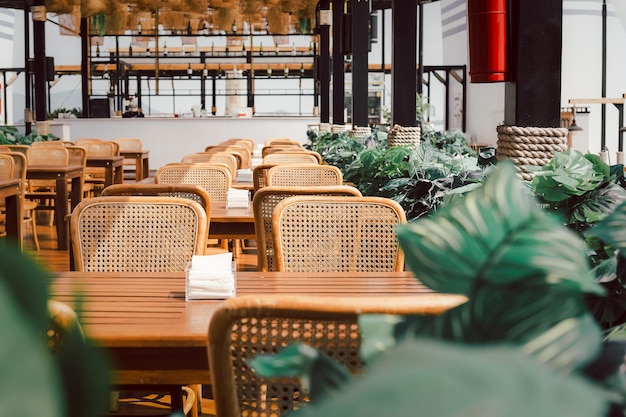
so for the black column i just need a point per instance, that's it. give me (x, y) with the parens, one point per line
(339, 85)
(403, 76)
(533, 96)
(360, 39)
(324, 67)
(39, 61)
(84, 65)
(27, 79)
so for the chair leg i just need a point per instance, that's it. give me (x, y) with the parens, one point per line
(33, 226)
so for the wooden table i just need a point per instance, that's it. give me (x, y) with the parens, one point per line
(113, 168)
(11, 191)
(156, 338)
(231, 223)
(142, 167)
(61, 174)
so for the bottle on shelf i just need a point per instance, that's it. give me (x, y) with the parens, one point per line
(269, 71)
(97, 49)
(243, 48)
(227, 49)
(293, 48)
(276, 49)
(130, 50)
(310, 48)
(302, 69)
(286, 71)
(212, 48)
(261, 48)
(189, 27)
(139, 29)
(164, 48)
(234, 27)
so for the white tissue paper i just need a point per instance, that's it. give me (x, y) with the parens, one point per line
(244, 175)
(210, 277)
(237, 198)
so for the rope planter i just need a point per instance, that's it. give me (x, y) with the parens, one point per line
(530, 146)
(360, 131)
(403, 135)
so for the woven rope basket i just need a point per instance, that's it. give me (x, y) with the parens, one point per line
(324, 127)
(359, 131)
(530, 146)
(338, 128)
(403, 135)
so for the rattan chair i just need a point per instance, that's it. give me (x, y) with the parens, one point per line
(290, 158)
(241, 150)
(188, 191)
(250, 143)
(215, 179)
(280, 148)
(225, 158)
(6, 167)
(263, 204)
(304, 175)
(247, 326)
(43, 191)
(281, 141)
(338, 234)
(132, 234)
(95, 176)
(259, 175)
(129, 164)
(28, 206)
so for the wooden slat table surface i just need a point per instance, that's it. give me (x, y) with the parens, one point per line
(155, 337)
(10, 192)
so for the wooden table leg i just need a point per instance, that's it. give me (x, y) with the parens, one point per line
(60, 210)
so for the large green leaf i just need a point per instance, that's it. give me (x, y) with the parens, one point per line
(496, 314)
(496, 234)
(612, 230)
(425, 378)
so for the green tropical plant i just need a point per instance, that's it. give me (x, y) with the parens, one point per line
(523, 344)
(71, 381)
(9, 135)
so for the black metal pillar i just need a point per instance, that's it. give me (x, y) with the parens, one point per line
(533, 94)
(404, 45)
(84, 65)
(28, 88)
(360, 47)
(339, 85)
(324, 64)
(420, 48)
(39, 60)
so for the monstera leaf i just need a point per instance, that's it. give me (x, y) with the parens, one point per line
(612, 229)
(498, 235)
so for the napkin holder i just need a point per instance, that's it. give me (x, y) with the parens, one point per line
(191, 294)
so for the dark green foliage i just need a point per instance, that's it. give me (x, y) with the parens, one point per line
(9, 135)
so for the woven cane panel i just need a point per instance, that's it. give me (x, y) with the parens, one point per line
(6, 167)
(259, 175)
(290, 158)
(215, 181)
(360, 131)
(134, 237)
(315, 175)
(530, 146)
(262, 397)
(268, 202)
(213, 158)
(327, 236)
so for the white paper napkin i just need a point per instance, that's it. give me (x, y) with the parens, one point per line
(210, 277)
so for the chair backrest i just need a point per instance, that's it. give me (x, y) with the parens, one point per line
(100, 148)
(6, 167)
(225, 158)
(250, 143)
(48, 143)
(304, 175)
(129, 144)
(235, 338)
(280, 148)
(19, 167)
(215, 179)
(47, 155)
(18, 148)
(259, 175)
(337, 234)
(242, 151)
(189, 191)
(137, 234)
(290, 158)
(263, 204)
(281, 141)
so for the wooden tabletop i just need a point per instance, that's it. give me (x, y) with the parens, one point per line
(155, 337)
